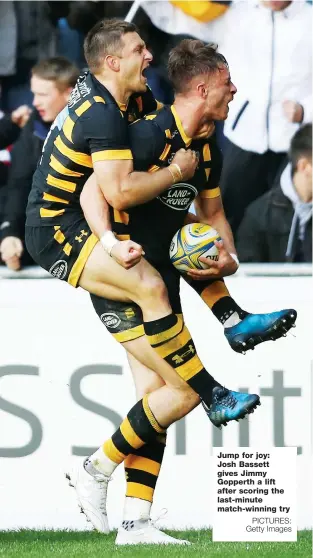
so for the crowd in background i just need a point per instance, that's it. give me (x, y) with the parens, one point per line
(266, 140)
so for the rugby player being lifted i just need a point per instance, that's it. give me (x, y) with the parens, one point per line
(93, 133)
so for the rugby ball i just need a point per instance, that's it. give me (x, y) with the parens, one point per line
(191, 242)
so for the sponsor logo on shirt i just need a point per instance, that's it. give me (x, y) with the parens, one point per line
(179, 196)
(110, 320)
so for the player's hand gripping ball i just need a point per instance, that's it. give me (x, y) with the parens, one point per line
(190, 243)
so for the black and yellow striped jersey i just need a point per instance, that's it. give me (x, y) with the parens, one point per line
(92, 127)
(154, 141)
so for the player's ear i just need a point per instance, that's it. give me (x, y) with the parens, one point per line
(202, 90)
(113, 62)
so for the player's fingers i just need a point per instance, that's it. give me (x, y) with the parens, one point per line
(131, 264)
(203, 274)
(219, 244)
(13, 263)
(133, 245)
(210, 263)
(135, 255)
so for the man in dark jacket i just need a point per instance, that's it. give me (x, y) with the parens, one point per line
(277, 227)
(51, 83)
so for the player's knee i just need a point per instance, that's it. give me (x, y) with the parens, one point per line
(153, 289)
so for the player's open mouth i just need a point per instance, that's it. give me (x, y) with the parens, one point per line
(143, 73)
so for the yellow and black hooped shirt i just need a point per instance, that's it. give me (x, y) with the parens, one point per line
(154, 141)
(92, 127)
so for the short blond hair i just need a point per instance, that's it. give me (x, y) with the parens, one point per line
(58, 69)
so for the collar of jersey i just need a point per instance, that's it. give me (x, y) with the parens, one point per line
(122, 106)
(179, 125)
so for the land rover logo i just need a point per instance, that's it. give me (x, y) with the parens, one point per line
(179, 196)
(110, 320)
(59, 269)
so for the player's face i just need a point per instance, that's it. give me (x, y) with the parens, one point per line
(135, 59)
(276, 5)
(48, 99)
(220, 92)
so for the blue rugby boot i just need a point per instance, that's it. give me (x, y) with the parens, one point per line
(230, 405)
(257, 328)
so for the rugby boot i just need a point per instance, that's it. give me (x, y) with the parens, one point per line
(147, 534)
(257, 328)
(230, 405)
(91, 491)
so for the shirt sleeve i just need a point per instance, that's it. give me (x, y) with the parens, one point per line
(211, 152)
(147, 142)
(105, 130)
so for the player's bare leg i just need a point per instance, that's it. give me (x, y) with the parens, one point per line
(166, 333)
(173, 400)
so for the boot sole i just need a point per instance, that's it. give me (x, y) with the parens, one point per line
(245, 411)
(277, 330)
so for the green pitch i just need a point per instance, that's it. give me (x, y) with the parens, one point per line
(74, 544)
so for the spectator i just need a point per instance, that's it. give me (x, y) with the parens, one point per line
(11, 124)
(268, 47)
(51, 83)
(277, 227)
(28, 33)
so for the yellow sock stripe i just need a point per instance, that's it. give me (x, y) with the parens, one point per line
(57, 166)
(129, 334)
(130, 435)
(112, 452)
(166, 335)
(214, 292)
(190, 368)
(142, 464)
(174, 345)
(150, 416)
(136, 490)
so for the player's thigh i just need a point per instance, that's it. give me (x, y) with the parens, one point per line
(69, 251)
(136, 283)
(145, 379)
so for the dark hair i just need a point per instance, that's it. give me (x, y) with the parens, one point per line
(105, 38)
(301, 145)
(190, 58)
(58, 69)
